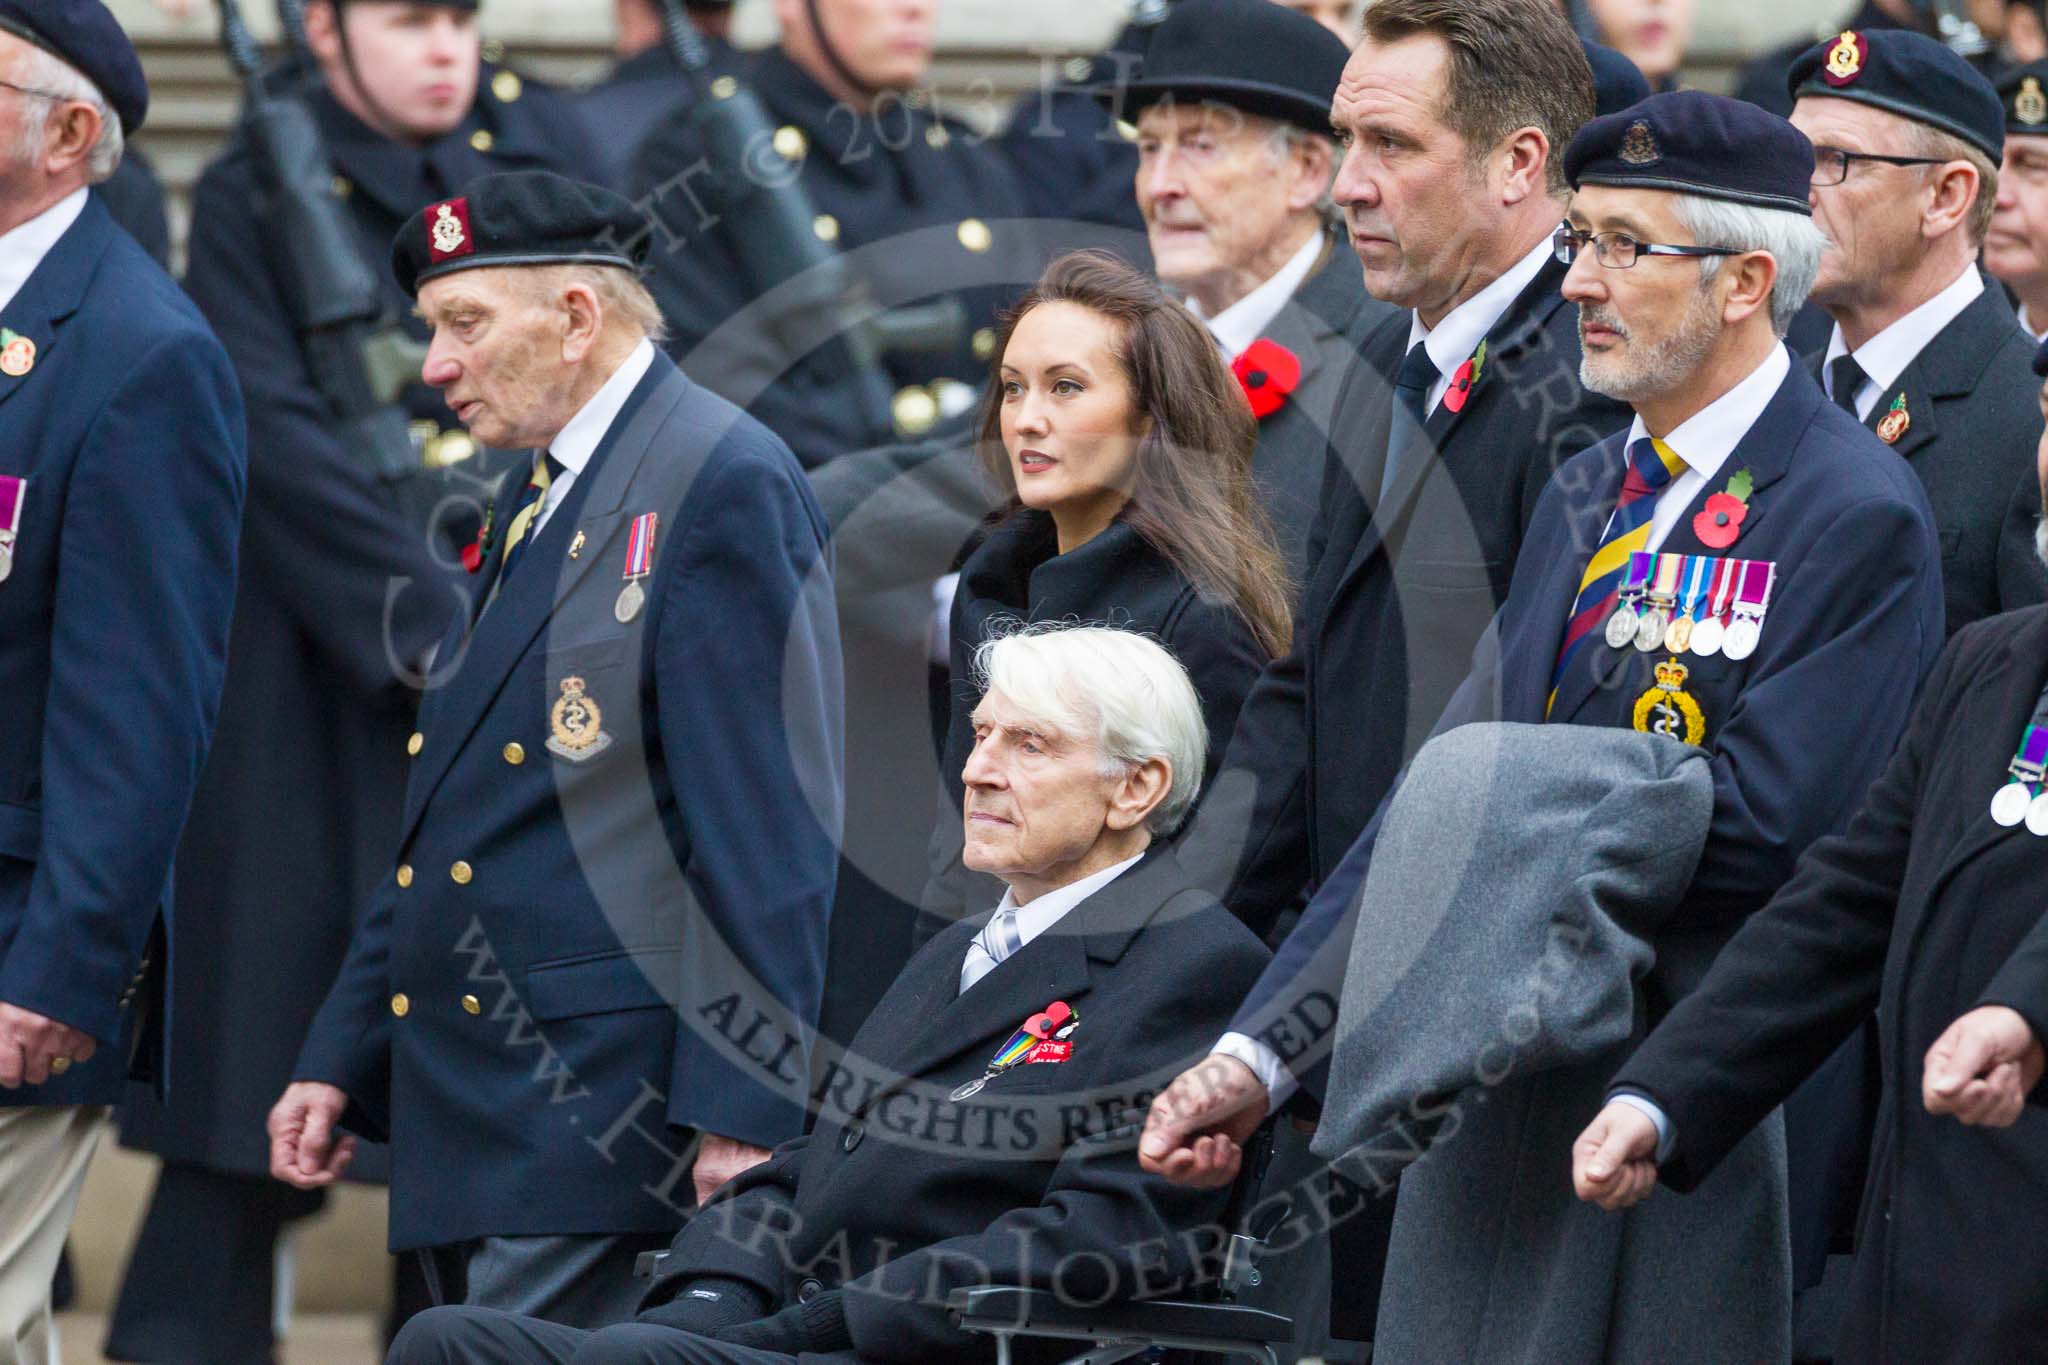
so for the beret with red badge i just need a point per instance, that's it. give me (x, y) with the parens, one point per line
(85, 35)
(1908, 74)
(520, 218)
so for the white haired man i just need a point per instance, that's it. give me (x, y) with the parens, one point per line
(122, 470)
(1779, 574)
(980, 1126)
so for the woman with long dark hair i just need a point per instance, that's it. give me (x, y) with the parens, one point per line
(1125, 447)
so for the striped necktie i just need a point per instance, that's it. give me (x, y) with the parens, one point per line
(997, 940)
(1651, 467)
(531, 500)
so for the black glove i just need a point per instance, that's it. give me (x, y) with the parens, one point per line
(819, 1325)
(707, 1304)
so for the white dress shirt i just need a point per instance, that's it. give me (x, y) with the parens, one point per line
(23, 247)
(1453, 340)
(578, 441)
(1704, 441)
(1885, 356)
(1037, 917)
(1245, 321)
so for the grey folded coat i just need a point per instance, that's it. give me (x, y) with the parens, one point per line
(1510, 914)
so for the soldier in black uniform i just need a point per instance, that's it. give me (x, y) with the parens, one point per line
(338, 606)
(644, 89)
(886, 165)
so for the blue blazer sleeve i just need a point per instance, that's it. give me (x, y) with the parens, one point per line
(749, 691)
(138, 641)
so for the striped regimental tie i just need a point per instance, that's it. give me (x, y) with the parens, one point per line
(531, 499)
(1651, 467)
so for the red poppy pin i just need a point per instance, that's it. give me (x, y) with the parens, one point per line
(1719, 523)
(1461, 382)
(1268, 373)
(474, 552)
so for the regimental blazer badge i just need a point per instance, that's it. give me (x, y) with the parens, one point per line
(1667, 709)
(576, 724)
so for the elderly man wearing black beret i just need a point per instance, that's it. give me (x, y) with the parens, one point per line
(1907, 139)
(579, 1000)
(122, 468)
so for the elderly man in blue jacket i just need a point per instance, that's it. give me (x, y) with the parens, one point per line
(582, 997)
(122, 468)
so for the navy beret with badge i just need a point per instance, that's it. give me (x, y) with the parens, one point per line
(1690, 142)
(1252, 55)
(84, 34)
(520, 218)
(2024, 93)
(1908, 74)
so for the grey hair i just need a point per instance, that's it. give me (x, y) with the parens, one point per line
(1121, 690)
(1793, 240)
(619, 293)
(45, 71)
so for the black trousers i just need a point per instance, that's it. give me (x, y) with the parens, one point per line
(485, 1336)
(200, 1282)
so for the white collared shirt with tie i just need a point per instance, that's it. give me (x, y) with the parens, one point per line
(1013, 925)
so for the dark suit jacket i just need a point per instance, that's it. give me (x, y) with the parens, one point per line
(1326, 325)
(574, 947)
(129, 432)
(1975, 423)
(902, 1194)
(1797, 731)
(1924, 908)
(1395, 598)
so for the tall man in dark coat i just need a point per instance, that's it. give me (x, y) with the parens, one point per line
(342, 597)
(952, 1148)
(1927, 909)
(590, 975)
(1443, 440)
(122, 469)
(1735, 455)
(909, 192)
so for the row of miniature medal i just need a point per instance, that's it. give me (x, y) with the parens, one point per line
(2021, 798)
(1694, 604)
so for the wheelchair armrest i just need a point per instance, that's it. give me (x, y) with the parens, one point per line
(1039, 1312)
(648, 1264)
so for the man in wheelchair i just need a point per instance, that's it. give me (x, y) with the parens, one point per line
(980, 1129)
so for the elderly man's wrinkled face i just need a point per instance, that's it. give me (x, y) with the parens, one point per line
(497, 356)
(1219, 193)
(1038, 802)
(1646, 329)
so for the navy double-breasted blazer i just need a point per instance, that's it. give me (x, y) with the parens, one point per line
(606, 923)
(128, 428)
